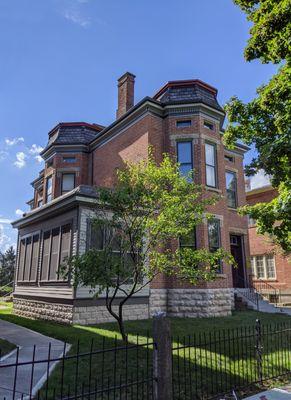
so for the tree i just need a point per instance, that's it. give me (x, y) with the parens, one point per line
(7, 266)
(135, 231)
(266, 121)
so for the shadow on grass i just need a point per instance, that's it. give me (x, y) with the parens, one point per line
(203, 365)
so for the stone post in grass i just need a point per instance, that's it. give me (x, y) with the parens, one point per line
(162, 357)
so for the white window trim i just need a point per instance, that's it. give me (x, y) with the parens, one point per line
(265, 278)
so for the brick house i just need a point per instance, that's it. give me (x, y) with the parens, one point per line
(268, 263)
(183, 118)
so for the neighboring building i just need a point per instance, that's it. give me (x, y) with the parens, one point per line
(184, 119)
(268, 263)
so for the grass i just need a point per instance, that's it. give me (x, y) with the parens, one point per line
(194, 361)
(5, 347)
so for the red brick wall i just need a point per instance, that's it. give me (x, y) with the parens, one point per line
(262, 244)
(130, 145)
(81, 168)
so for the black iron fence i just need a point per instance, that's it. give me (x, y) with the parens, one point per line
(200, 366)
(207, 366)
(113, 371)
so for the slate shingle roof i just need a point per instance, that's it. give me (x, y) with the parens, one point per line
(188, 92)
(75, 133)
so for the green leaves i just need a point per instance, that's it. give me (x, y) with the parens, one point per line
(265, 122)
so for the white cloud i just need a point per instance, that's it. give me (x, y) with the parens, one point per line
(259, 180)
(35, 149)
(6, 240)
(38, 158)
(74, 15)
(19, 212)
(14, 141)
(5, 220)
(20, 159)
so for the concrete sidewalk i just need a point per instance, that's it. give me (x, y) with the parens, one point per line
(26, 339)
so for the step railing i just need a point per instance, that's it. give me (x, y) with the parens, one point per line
(266, 290)
(6, 293)
(248, 291)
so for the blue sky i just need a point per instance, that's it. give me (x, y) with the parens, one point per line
(60, 60)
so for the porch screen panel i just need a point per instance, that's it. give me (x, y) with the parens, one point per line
(27, 258)
(21, 260)
(65, 246)
(34, 258)
(45, 256)
(54, 261)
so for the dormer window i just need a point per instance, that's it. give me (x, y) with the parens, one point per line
(69, 159)
(208, 125)
(185, 123)
(68, 182)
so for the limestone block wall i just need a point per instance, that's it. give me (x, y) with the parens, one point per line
(62, 313)
(69, 314)
(192, 302)
(91, 315)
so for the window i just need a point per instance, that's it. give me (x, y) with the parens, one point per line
(69, 160)
(49, 182)
(39, 203)
(231, 189)
(229, 158)
(185, 158)
(56, 248)
(49, 163)
(188, 241)
(211, 167)
(208, 125)
(68, 182)
(263, 266)
(214, 237)
(183, 123)
(101, 237)
(28, 258)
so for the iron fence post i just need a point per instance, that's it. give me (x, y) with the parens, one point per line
(163, 385)
(259, 349)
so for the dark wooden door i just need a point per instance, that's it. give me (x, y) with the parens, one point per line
(236, 249)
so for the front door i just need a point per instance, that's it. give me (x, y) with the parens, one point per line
(238, 273)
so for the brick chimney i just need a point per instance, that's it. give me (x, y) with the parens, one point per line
(125, 93)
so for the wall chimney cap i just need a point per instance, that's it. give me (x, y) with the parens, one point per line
(125, 76)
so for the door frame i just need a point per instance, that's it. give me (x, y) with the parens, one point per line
(243, 251)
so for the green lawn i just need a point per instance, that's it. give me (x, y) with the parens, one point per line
(194, 363)
(5, 347)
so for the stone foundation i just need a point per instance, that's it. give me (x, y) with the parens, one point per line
(62, 313)
(174, 302)
(192, 303)
(91, 315)
(69, 314)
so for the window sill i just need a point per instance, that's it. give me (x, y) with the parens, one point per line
(223, 276)
(232, 209)
(213, 189)
(265, 279)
